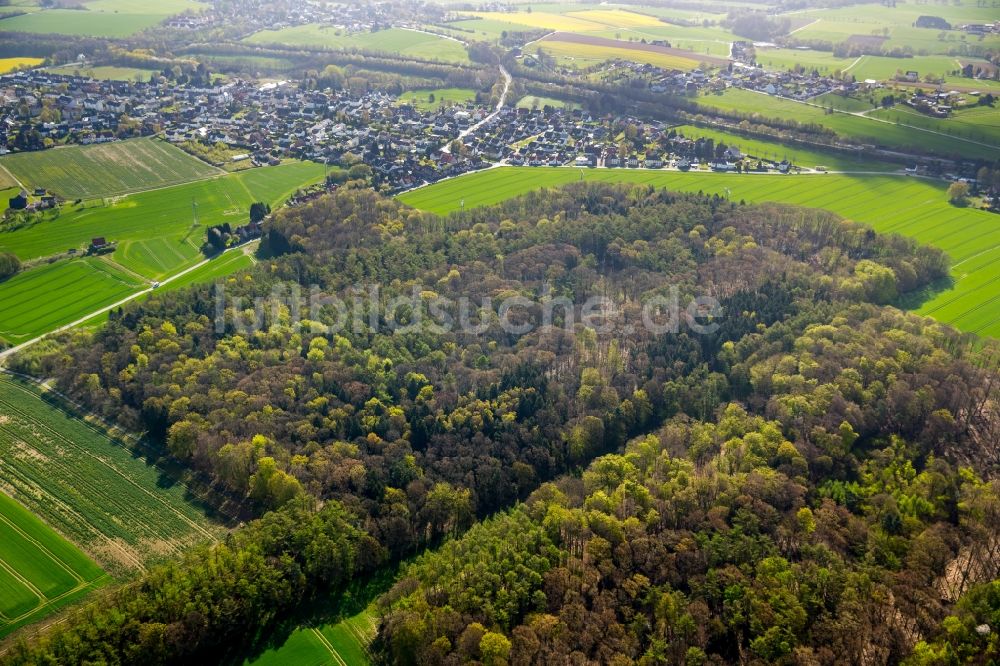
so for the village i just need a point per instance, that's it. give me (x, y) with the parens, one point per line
(404, 146)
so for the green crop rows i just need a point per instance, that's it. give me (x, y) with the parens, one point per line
(109, 169)
(91, 487)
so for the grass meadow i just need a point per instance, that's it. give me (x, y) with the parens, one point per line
(431, 100)
(42, 299)
(908, 206)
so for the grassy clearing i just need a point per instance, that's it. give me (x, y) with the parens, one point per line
(396, 41)
(42, 299)
(100, 18)
(868, 130)
(891, 204)
(822, 61)
(93, 489)
(713, 41)
(109, 169)
(431, 100)
(12, 64)
(39, 570)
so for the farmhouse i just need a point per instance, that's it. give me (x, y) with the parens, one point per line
(19, 202)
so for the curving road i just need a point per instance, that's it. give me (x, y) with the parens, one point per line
(503, 100)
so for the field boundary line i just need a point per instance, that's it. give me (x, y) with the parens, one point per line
(24, 581)
(329, 646)
(54, 600)
(48, 553)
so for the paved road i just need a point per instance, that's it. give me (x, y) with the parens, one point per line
(503, 99)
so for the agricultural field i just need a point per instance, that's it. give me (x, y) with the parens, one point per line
(910, 206)
(885, 69)
(431, 100)
(105, 72)
(12, 64)
(711, 41)
(869, 130)
(536, 102)
(573, 21)
(396, 41)
(895, 25)
(335, 644)
(107, 169)
(978, 123)
(156, 237)
(822, 61)
(42, 299)
(155, 230)
(40, 571)
(797, 155)
(100, 18)
(584, 51)
(94, 489)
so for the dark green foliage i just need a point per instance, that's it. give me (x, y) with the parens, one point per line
(9, 265)
(771, 529)
(215, 601)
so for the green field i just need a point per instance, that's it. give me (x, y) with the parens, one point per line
(40, 571)
(92, 488)
(423, 100)
(536, 102)
(797, 155)
(156, 238)
(896, 23)
(397, 41)
(100, 18)
(335, 644)
(107, 169)
(979, 123)
(42, 299)
(868, 130)
(155, 230)
(892, 204)
(105, 72)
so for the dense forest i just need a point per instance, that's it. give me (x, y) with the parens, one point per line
(808, 482)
